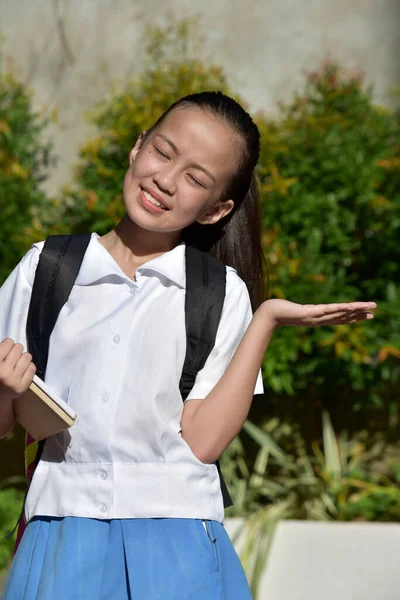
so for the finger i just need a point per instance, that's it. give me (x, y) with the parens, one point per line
(344, 319)
(13, 356)
(358, 306)
(355, 317)
(362, 317)
(27, 377)
(341, 308)
(5, 348)
(22, 365)
(351, 315)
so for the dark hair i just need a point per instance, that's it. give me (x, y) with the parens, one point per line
(236, 239)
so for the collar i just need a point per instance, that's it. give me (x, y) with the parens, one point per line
(170, 264)
(98, 263)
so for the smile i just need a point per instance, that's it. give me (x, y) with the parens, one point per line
(153, 200)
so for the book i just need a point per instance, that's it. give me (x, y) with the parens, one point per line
(41, 412)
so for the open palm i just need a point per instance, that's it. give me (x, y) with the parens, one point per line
(283, 312)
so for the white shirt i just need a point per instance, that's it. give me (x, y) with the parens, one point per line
(116, 356)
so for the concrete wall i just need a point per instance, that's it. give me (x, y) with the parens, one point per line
(311, 560)
(71, 51)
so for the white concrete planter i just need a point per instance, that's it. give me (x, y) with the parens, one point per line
(311, 560)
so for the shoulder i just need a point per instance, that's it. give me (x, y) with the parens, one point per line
(234, 283)
(29, 262)
(237, 297)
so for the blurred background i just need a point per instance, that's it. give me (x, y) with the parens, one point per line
(79, 80)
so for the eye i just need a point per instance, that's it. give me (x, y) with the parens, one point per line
(161, 153)
(194, 180)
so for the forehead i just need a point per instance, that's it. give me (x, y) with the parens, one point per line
(202, 138)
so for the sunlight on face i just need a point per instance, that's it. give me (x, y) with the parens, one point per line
(179, 173)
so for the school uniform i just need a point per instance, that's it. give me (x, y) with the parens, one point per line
(119, 506)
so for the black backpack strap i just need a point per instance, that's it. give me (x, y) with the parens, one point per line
(61, 253)
(204, 301)
(49, 294)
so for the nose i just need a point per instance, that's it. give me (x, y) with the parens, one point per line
(165, 179)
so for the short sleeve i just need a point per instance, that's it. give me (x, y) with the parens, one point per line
(15, 295)
(235, 318)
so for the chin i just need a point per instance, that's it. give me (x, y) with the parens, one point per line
(139, 219)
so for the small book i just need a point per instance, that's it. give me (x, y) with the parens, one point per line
(41, 412)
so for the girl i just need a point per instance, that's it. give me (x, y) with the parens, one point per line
(127, 503)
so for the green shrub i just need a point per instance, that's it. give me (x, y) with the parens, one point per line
(24, 157)
(342, 478)
(10, 508)
(330, 181)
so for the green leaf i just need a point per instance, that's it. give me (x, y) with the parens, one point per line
(265, 441)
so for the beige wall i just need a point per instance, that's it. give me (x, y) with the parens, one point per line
(264, 46)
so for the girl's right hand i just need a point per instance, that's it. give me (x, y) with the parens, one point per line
(16, 370)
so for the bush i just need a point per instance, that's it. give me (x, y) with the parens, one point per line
(24, 158)
(10, 508)
(330, 182)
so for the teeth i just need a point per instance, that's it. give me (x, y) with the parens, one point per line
(150, 198)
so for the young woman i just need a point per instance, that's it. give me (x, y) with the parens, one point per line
(127, 503)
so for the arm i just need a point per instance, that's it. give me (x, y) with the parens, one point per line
(16, 374)
(209, 425)
(16, 371)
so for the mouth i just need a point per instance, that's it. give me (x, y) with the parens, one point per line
(154, 200)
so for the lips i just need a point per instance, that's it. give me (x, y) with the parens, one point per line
(155, 199)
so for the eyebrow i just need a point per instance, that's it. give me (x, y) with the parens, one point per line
(194, 165)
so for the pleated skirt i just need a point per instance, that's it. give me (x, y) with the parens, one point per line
(130, 559)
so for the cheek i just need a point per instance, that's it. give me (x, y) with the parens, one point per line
(143, 165)
(129, 179)
(195, 202)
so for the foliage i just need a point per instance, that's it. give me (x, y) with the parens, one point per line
(347, 479)
(10, 508)
(24, 158)
(330, 184)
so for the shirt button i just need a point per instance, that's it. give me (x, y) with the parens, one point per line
(131, 289)
(105, 398)
(103, 475)
(116, 339)
(103, 508)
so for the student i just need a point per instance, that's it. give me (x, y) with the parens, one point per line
(127, 503)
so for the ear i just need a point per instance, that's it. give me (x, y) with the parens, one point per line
(216, 212)
(136, 148)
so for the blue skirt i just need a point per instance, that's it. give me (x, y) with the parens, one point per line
(130, 559)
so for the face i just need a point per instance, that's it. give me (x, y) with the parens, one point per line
(179, 172)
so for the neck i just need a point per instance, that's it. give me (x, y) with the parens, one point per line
(132, 245)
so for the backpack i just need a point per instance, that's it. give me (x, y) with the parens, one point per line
(56, 272)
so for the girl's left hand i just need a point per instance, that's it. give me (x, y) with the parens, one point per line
(283, 312)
